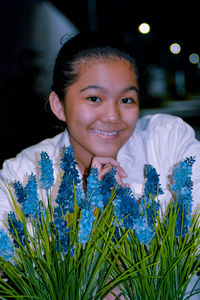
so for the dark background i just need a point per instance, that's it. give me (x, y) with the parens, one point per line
(31, 31)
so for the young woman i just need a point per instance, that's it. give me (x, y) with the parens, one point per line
(95, 93)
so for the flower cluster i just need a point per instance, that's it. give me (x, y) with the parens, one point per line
(65, 197)
(47, 177)
(149, 203)
(138, 216)
(28, 196)
(86, 223)
(6, 247)
(182, 188)
(94, 192)
(62, 230)
(16, 228)
(92, 200)
(108, 184)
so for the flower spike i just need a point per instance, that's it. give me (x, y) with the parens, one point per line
(46, 166)
(6, 246)
(182, 188)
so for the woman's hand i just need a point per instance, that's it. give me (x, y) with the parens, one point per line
(105, 164)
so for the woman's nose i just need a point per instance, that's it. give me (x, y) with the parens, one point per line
(111, 113)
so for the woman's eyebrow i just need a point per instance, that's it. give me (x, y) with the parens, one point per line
(97, 87)
(131, 88)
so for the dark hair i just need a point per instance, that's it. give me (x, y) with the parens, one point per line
(84, 46)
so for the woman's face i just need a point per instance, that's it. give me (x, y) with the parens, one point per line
(101, 108)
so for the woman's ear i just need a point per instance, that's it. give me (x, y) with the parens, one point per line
(57, 106)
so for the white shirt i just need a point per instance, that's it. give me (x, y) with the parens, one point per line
(160, 140)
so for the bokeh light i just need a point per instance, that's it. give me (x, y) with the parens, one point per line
(194, 58)
(144, 28)
(175, 48)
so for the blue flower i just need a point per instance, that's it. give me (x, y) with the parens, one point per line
(108, 184)
(31, 207)
(139, 217)
(65, 197)
(152, 185)
(14, 224)
(88, 203)
(68, 164)
(94, 193)
(182, 187)
(86, 224)
(46, 166)
(19, 192)
(181, 175)
(62, 231)
(149, 205)
(6, 246)
(80, 196)
(143, 232)
(126, 206)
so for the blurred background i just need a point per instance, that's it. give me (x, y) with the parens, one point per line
(165, 34)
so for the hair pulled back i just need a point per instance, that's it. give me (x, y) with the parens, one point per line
(85, 46)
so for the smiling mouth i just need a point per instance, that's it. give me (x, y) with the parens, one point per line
(107, 133)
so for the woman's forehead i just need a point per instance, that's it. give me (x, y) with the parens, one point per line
(84, 64)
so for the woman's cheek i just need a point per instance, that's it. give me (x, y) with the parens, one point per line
(81, 117)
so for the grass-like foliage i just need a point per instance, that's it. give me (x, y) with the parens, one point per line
(41, 269)
(86, 245)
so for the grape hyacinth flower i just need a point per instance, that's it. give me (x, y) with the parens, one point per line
(108, 184)
(182, 188)
(143, 231)
(62, 231)
(149, 205)
(86, 224)
(31, 207)
(19, 192)
(92, 200)
(6, 247)
(46, 167)
(139, 217)
(152, 185)
(65, 197)
(13, 223)
(28, 196)
(126, 206)
(94, 194)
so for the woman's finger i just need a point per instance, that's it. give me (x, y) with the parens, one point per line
(121, 172)
(105, 164)
(99, 162)
(104, 171)
(118, 179)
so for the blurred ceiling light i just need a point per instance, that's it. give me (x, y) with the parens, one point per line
(194, 58)
(175, 48)
(144, 28)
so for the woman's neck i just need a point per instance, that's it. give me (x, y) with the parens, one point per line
(82, 156)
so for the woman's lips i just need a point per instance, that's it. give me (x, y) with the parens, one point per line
(111, 134)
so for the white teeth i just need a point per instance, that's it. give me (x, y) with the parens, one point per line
(105, 133)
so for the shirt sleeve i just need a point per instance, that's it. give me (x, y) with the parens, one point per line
(174, 141)
(183, 144)
(25, 163)
(14, 169)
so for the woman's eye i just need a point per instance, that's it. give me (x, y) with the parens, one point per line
(94, 99)
(127, 101)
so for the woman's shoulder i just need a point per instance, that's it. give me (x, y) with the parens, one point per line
(26, 160)
(148, 122)
(164, 126)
